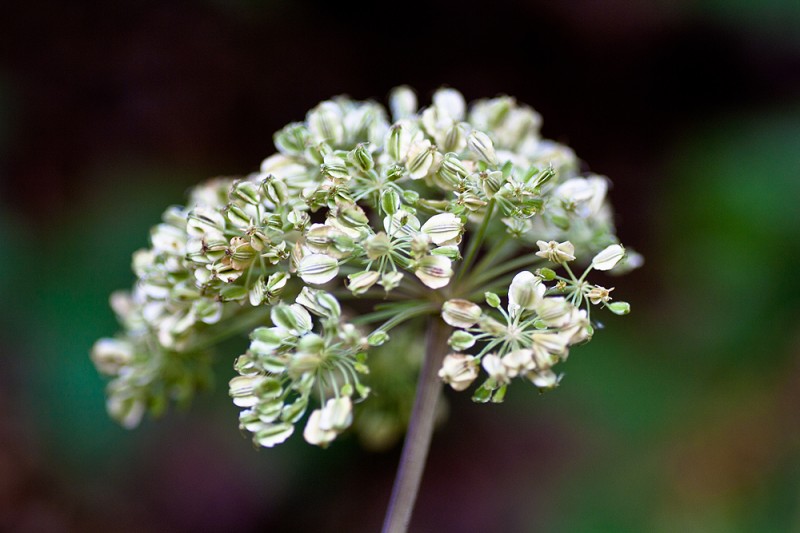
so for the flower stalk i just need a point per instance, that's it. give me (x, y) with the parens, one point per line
(420, 430)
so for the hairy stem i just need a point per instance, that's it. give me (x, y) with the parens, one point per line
(420, 429)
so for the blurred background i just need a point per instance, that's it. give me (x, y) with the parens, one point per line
(682, 416)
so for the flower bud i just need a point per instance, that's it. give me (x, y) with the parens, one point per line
(203, 220)
(491, 182)
(325, 124)
(481, 145)
(546, 274)
(526, 291)
(111, 355)
(458, 371)
(207, 311)
(410, 197)
(494, 366)
(293, 318)
(317, 268)
(517, 361)
(398, 141)
(443, 227)
(335, 167)
(125, 408)
(319, 302)
(451, 102)
(377, 246)
(337, 415)
(314, 434)
(292, 139)
(361, 282)
(240, 253)
(554, 312)
(420, 245)
(390, 201)
(452, 170)
(270, 435)
(390, 280)
(361, 157)
(434, 271)
(461, 313)
(246, 191)
(353, 216)
(402, 102)
(544, 379)
(454, 140)
(275, 190)
(450, 251)
(378, 338)
(608, 258)
(491, 326)
(461, 340)
(275, 284)
(620, 308)
(243, 390)
(492, 299)
(237, 216)
(292, 412)
(471, 201)
(394, 172)
(420, 159)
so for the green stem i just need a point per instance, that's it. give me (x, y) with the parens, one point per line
(420, 430)
(475, 243)
(497, 252)
(514, 264)
(390, 310)
(405, 315)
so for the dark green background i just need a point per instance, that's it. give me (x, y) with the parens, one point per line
(682, 416)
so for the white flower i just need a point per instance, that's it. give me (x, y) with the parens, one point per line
(525, 291)
(555, 251)
(450, 101)
(111, 355)
(494, 366)
(325, 424)
(458, 370)
(544, 379)
(608, 258)
(517, 361)
(599, 294)
(582, 196)
(314, 434)
(337, 415)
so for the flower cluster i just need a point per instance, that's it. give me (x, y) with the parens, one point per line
(289, 360)
(536, 329)
(393, 212)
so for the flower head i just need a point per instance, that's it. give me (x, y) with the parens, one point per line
(365, 219)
